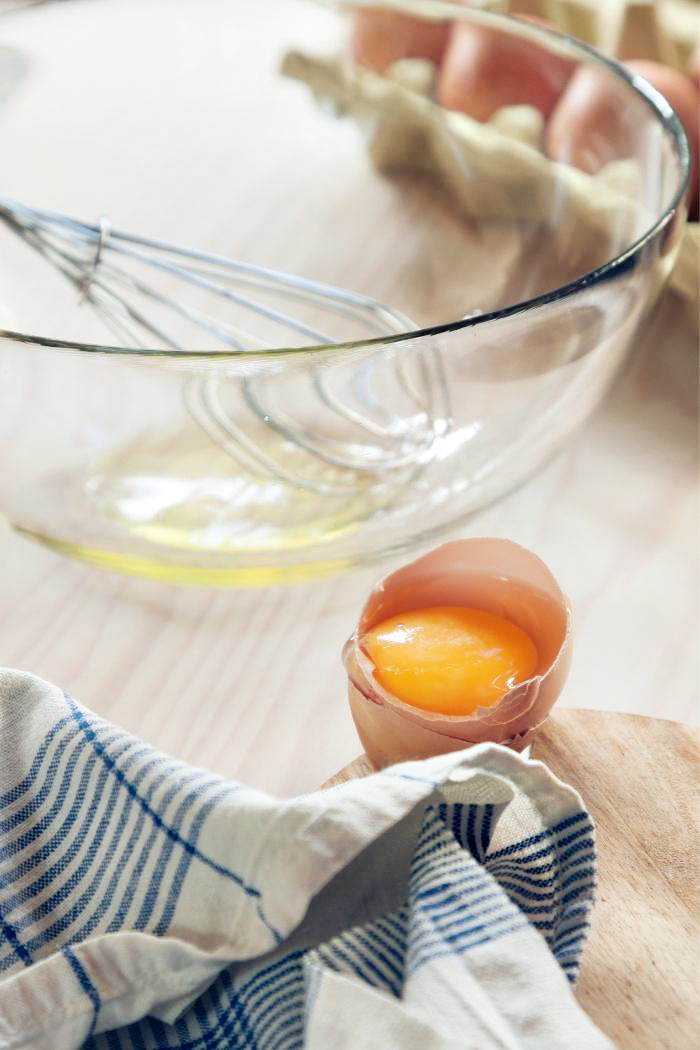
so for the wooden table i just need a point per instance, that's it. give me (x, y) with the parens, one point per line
(250, 683)
(639, 777)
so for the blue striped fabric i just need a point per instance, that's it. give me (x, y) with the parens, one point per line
(101, 834)
(454, 904)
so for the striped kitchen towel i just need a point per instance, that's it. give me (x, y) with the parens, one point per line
(148, 905)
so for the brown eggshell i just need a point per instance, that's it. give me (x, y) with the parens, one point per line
(491, 574)
(485, 69)
(379, 38)
(682, 96)
(693, 67)
(387, 737)
(596, 121)
(592, 123)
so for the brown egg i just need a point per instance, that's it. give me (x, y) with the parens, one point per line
(693, 67)
(596, 121)
(593, 122)
(493, 575)
(682, 95)
(380, 38)
(485, 69)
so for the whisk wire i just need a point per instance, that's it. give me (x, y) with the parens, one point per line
(107, 267)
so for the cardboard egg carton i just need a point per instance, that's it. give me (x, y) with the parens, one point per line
(665, 31)
(661, 30)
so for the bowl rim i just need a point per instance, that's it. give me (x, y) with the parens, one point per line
(621, 263)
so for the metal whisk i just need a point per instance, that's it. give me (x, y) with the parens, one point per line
(346, 432)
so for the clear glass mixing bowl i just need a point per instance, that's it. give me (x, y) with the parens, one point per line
(525, 281)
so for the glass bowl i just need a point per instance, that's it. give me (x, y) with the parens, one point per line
(525, 279)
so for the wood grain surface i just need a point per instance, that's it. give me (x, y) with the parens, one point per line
(250, 683)
(639, 780)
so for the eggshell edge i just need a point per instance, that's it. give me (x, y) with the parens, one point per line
(391, 730)
(387, 737)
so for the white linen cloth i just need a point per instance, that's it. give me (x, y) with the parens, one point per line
(148, 905)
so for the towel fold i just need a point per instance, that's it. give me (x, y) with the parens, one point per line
(147, 904)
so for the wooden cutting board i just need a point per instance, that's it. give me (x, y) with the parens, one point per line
(639, 779)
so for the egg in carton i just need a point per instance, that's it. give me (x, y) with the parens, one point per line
(494, 170)
(659, 31)
(415, 80)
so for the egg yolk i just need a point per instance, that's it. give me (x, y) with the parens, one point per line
(450, 660)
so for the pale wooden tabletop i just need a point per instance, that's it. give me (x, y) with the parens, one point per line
(637, 981)
(250, 683)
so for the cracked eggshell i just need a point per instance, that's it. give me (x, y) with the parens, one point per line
(498, 576)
